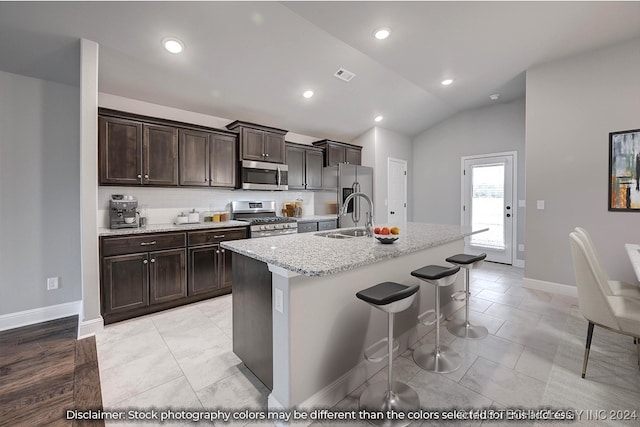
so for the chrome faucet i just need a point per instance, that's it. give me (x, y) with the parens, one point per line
(368, 225)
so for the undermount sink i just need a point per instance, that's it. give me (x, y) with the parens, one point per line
(343, 234)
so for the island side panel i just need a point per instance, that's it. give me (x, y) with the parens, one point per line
(324, 328)
(252, 318)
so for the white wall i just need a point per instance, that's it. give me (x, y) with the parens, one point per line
(572, 105)
(39, 193)
(437, 153)
(378, 144)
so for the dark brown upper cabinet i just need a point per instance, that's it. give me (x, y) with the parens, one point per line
(134, 153)
(207, 159)
(259, 143)
(336, 152)
(305, 166)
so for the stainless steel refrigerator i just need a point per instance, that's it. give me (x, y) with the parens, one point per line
(352, 179)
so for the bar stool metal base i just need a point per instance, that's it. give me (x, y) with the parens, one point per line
(464, 329)
(442, 361)
(403, 398)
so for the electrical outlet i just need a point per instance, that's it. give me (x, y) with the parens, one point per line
(521, 248)
(52, 283)
(540, 204)
(278, 304)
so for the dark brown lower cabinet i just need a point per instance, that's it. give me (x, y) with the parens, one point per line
(145, 273)
(138, 280)
(125, 282)
(209, 264)
(167, 275)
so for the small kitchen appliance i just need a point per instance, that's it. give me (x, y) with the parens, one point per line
(261, 215)
(123, 211)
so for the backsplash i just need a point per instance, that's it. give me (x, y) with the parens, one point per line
(164, 204)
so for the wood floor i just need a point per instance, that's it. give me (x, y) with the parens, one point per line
(45, 371)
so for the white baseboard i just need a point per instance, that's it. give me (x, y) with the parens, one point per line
(554, 288)
(90, 327)
(518, 263)
(37, 315)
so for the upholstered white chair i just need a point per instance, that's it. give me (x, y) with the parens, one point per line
(616, 313)
(613, 287)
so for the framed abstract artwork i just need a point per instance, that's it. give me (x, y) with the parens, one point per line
(624, 171)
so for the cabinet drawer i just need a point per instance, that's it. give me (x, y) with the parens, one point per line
(307, 227)
(327, 225)
(214, 236)
(142, 243)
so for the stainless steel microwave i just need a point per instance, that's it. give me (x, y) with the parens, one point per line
(264, 176)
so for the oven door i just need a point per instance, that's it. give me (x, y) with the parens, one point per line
(264, 176)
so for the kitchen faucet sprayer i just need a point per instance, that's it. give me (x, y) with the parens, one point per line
(368, 225)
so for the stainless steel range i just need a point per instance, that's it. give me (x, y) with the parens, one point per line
(262, 217)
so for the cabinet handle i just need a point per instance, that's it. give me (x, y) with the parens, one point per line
(219, 237)
(147, 243)
(217, 252)
(144, 261)
(222, 250)
(139, 176)
(146, 176)
(153, 260)
(266, 155)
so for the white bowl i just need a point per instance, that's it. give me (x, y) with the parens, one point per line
(129, 220)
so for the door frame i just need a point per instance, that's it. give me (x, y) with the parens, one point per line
(514, 196)
(404, 196)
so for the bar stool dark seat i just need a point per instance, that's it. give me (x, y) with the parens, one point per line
(391, 298)
(463, 328)
(438, 358)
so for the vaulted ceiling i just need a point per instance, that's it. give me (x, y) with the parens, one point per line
(252, 60)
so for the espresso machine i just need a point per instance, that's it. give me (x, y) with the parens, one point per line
(123, 211)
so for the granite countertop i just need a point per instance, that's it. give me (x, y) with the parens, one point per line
(159, 228)
(312, 255)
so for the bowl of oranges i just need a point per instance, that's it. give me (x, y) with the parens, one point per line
(386, 235)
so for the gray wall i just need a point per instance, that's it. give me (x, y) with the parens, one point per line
(572, 105)
(39, 193)
(378, 144)
(437, 153)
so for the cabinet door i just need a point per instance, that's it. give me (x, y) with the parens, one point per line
(327, 225)
(160, 155)
(274, 147)
(295, 160)
(335, 155)
(314, 161)
(223, 161)
(203, 270)
(125, 282)
(194, 158)
(225, 269)
(167, 275)
(120, 151)
(307, 227)
(252, 144)
(353, 156)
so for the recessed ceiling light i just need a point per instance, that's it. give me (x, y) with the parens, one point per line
(378, 119)
(382, 33)
(308, 94)
(494, 97)
(173, 45)
(446, 82)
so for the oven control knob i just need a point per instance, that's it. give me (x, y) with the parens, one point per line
(269, 227)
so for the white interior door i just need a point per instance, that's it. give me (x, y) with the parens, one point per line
(396, 191)
(487, 202)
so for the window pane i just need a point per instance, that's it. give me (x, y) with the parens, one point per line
(487, 205)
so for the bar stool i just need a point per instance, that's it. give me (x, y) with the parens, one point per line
(464, 329)
(391, 298)
(441, 358)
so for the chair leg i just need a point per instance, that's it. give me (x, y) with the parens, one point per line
(587, 348)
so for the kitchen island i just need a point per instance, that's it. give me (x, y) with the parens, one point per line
(297, 321)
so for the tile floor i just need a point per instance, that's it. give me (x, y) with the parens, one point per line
(183, 358)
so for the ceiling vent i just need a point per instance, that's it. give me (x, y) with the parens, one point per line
(343, 74)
